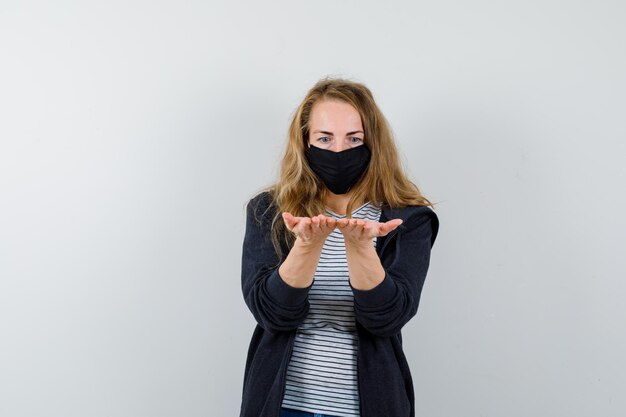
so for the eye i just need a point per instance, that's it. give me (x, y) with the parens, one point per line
(356, 140)
(324, 139)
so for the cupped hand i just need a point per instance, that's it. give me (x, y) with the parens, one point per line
(362, 231)
(310, 230)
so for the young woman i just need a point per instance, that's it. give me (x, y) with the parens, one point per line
(334, 259)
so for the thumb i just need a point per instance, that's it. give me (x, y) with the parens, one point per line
(389, 226)
(290, 220)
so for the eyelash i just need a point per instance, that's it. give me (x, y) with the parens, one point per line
(354, 137)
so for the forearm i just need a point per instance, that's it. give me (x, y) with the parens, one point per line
(364, 266)
(298, 269)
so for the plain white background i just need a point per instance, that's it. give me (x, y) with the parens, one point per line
(133, 132)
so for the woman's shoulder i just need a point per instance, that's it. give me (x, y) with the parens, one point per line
(413, 217)
(408, 213)
(263, 197)
(261, 204)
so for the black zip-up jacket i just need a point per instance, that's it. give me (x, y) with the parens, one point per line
(385, 385)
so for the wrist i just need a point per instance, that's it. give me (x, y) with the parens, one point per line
(360, 246)
(307, 246)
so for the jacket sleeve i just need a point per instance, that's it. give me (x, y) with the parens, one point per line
(275, 305)
(386, 308)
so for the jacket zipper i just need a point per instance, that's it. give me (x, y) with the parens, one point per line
(358, 374)
(284, 383)
(388, 238)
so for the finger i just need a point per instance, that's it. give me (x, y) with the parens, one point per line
(328, 225)
(302, 228)
(331, 223)
(388, 226)
(342, 223)
(350, 226)
(290, 220)
(315, 225)
(358, 227)
(322, 221)
(306, 224)
(369, 230)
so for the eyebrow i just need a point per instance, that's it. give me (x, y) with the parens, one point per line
(331, 133)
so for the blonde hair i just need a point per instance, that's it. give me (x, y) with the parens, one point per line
(300, 192)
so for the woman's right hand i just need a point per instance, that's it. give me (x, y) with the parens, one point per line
(310, 230)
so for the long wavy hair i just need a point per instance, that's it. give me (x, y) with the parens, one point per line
(300, 192)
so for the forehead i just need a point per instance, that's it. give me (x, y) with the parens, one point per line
(327, 114)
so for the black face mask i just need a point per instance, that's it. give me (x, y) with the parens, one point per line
(339, 171)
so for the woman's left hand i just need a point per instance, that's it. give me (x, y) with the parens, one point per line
(361, 231)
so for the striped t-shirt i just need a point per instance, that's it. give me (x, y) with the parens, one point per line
(322, 372)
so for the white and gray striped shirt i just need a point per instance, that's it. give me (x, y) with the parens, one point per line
(322, 372)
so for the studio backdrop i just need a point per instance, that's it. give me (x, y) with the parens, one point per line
(132, 133)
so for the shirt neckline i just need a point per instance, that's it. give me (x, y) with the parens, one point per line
(341, 216)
